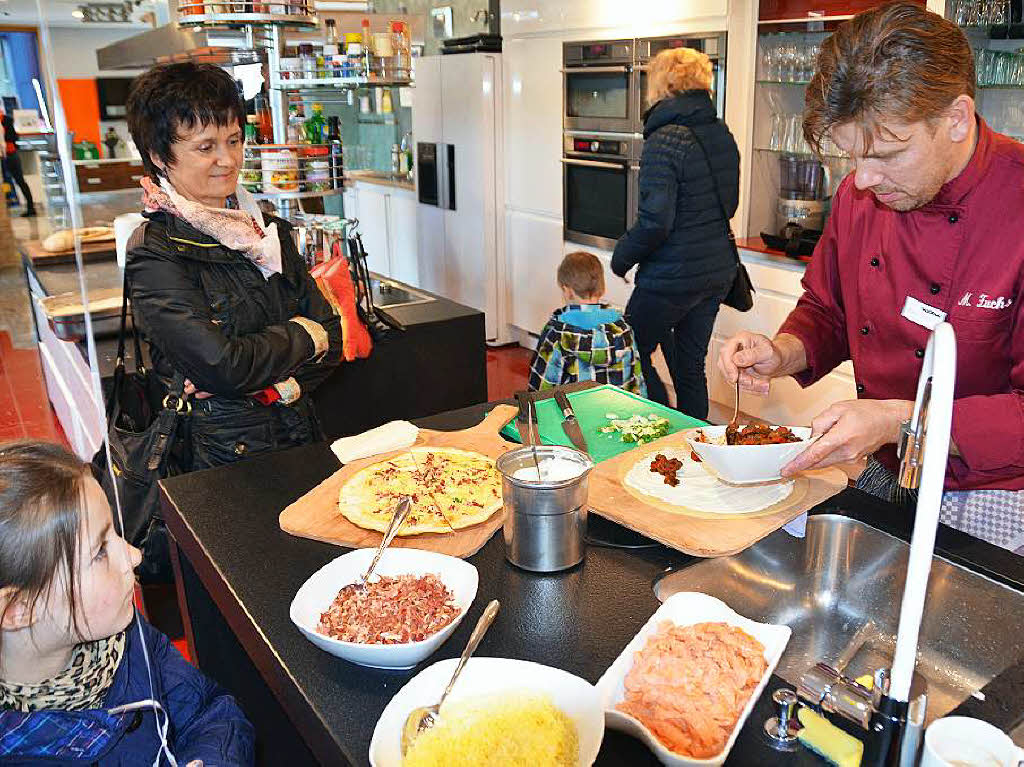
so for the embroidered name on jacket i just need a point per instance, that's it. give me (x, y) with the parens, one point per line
(984, 301)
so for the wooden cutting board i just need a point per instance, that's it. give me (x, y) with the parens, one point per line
(315, 515)
(694, 532)
(91, 251)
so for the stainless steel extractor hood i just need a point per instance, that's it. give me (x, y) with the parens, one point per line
(170, 43)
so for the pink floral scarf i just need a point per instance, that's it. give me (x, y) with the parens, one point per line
(244, 229)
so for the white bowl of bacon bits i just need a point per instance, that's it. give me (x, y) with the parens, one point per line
(412, 604)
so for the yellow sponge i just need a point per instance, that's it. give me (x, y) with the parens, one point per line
(824, 738)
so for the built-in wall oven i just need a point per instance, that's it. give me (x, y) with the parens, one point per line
(599, 89)
(599, 179)
(647, 48)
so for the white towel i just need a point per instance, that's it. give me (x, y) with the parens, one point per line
(393, 435)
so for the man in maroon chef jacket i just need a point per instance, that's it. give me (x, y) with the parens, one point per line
(929, 226)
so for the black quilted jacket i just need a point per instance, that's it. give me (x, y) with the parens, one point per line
(680, 239)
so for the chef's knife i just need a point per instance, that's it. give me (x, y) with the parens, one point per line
(570, 425)
(523, 419)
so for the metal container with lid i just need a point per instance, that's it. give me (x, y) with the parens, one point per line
(545, 521)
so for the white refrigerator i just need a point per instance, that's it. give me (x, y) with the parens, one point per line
(456, 121)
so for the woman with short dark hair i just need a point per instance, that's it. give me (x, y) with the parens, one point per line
(217, 287)
(689, 188)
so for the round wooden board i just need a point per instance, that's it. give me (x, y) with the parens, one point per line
(800, 490)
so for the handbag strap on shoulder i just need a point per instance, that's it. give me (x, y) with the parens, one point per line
(718, 196)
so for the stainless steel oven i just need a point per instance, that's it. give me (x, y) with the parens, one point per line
(600, 172)
(649, 47)
(598, 88)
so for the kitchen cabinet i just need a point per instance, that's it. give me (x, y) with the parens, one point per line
(533, 124)
(522, 17)
(774, 10)
(534, 250)
(387, 222)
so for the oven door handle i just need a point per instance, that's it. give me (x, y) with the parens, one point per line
(624, 68)
(594, 163)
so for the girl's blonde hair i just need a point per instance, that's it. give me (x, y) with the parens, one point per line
(41, 506)
(675, 70)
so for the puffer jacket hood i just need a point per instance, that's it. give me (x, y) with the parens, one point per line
(685, 108)
(680, 241)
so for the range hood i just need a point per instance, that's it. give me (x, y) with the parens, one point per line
(170, 43)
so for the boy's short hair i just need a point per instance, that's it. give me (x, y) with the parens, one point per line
(582, 273)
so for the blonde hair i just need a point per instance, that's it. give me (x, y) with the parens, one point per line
(582, 273)
(675, 70)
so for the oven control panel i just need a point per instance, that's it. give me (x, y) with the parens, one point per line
(600, 53)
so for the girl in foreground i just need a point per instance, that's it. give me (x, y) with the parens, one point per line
(82, 679)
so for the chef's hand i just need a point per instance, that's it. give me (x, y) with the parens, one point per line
(757, 359)
(851, 430)
(190, 390)
(195, 763)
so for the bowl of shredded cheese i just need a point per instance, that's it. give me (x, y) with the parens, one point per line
(501, 711)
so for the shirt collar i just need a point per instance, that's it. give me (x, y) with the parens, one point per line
(955, 191)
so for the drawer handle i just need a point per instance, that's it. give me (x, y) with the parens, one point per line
(92, 167)
(94, 181)
(136, 177)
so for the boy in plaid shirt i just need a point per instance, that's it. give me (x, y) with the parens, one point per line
(586, 340)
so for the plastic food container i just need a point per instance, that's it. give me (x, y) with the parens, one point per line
(280, 171)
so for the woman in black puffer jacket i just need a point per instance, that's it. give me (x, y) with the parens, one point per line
(680, 241)
(217, 287)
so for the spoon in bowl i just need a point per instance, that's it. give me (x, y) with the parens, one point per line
(401, 512)
(424, 717)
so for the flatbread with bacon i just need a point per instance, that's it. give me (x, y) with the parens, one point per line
(450, 489)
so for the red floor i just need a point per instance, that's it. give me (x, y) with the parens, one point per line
(25, 410)
(508, 369)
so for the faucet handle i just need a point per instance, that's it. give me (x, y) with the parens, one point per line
(782, 729)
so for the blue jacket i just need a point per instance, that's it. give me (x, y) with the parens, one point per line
(680, 240)
(587, 342)
(205, 722)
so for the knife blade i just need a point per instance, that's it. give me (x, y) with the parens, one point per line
(523, 419)
(570, 425)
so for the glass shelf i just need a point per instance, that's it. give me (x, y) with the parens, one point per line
(766, 150)
(316, 83)
(804, 83)
(1001, 87)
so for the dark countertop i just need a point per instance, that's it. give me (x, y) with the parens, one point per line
(225, 521)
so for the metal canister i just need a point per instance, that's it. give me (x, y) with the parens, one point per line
(545, 521)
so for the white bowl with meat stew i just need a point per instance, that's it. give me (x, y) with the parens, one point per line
(686, 609)
(746, 464)
(319, 591)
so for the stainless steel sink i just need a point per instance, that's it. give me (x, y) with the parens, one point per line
(387, 293)
(842, 575)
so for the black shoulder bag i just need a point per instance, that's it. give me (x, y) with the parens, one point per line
(142, 424)
(741, 294)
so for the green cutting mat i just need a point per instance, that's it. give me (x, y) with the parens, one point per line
(591, 407)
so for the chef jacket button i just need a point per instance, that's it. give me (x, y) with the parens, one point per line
(919, 353)
(953, 218)
(865, 330)
(860, 388)
(875, 261)
(935, 288)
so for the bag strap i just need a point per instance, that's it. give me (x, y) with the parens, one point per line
(718, 196)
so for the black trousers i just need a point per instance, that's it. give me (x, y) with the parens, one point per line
(12, 164)
(681, 325)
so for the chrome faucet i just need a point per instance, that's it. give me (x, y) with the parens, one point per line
(891, 721)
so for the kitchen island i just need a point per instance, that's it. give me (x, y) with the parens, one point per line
(239, 572)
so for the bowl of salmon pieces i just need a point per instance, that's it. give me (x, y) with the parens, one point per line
(689, 679)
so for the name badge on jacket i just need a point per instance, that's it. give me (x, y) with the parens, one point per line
(922, 314)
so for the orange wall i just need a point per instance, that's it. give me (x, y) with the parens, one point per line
(81, 108)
